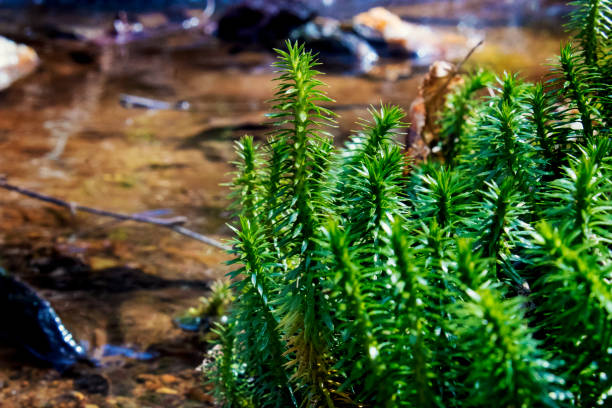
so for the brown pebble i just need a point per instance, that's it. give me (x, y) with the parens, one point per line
(197, 394)
(166, 390)
(168, 379)
(122, 402)
(152, 385)
(145, 377)
(78, 395)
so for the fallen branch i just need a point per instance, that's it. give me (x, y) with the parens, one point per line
(173, 223)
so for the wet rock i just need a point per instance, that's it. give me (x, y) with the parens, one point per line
(92, 384)
(56, 32)
(391, 71)
(169, 379)
(30, 323)
(16, 62)
(82, 56)
(167, 391)
(335, 46)
(192, 323)
(152, 385)
(78, 395)
(143, 378)
(395, 37)
(123, 402)
(262, 22)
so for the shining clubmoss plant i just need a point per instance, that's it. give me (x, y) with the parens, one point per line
(362, 280)
(592, 22)
(443, 196)
(260, 346)
(574, 312)
(578, 79)
(548, 140)
(362, 353)
(581, 198)
(461, 103)
(504, 365)
(246, 186)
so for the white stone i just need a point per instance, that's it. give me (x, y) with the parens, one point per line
(16, 61)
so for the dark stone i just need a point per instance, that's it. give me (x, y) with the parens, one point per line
(29, 322)
(382, 46)
(262, 22)
(100, 5)
(91, 384)
(337, 48)
(53, 32)
(82, 57)
(193, 323)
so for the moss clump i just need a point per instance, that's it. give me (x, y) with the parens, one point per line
(484, 281)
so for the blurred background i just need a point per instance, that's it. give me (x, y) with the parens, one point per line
(134, 105)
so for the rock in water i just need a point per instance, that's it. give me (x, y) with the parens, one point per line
(393, 36)
(263, 22)
(16, 61)
(335, 46)
(29, 322)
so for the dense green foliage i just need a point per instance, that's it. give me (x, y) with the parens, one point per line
(364, 280)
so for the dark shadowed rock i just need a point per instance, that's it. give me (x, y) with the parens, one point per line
(263, 22)
(336, 47)
(29, 322)
(91, 384)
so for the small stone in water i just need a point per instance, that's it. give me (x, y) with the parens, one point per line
(166, 390)
(78, 395)
(169, 379)
(16, 61)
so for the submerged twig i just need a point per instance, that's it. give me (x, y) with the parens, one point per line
(173, 223)
(60, 146)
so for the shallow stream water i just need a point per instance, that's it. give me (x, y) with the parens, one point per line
(64, 133)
